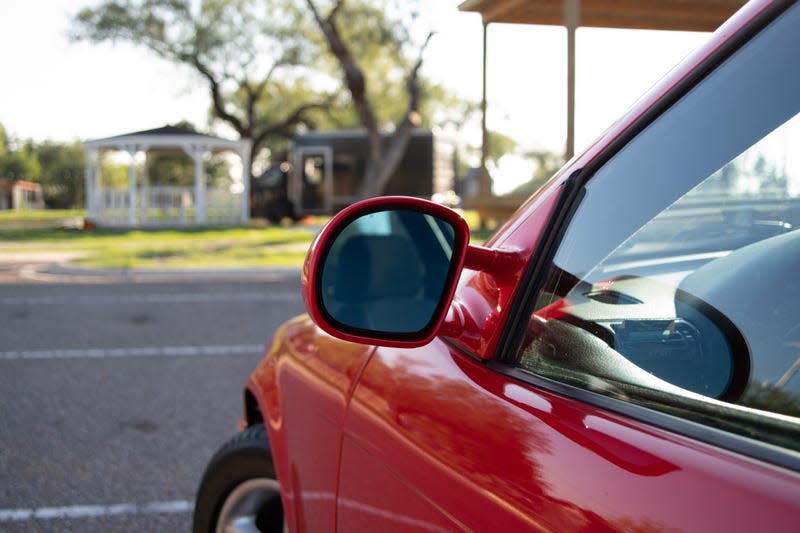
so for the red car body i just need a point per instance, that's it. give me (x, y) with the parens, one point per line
(437, 438)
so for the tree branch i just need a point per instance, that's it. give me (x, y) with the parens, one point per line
(217, 99)
(353, 76)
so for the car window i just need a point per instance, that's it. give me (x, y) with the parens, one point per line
(676, 283)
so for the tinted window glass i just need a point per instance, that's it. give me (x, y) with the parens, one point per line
(676, 282)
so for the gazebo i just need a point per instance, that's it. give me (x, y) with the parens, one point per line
(143, 203)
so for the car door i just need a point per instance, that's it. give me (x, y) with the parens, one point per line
(647, 374)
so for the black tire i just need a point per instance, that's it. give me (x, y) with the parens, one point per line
(240, 481)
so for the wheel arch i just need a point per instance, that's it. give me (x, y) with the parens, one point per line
(253, 413)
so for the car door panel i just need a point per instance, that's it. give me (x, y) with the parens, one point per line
(436, 430)
(306, 382)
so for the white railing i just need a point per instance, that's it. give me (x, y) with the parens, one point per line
(165, 206)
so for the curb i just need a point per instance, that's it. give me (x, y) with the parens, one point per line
(67, 272)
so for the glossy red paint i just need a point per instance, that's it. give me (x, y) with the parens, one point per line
(482, 300)
(486, 453)
(303, 385)
(433, 439)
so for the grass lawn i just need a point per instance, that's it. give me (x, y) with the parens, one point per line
(53, 232)
(58, 231)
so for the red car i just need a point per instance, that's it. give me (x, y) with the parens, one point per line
(621, 355)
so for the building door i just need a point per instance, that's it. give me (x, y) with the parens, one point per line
(311, 188)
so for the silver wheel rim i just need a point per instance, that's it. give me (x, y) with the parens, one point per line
(242, 506)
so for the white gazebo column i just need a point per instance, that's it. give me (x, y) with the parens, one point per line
(89, 172)
(97, 177)
(197, 154)
(145, 203)
(244, 152)
(132, 192)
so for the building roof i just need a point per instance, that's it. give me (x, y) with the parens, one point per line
(165, 137)
(685, 15)
(162, 132)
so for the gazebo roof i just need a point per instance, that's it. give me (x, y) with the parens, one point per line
(685, 15)
(165, 137)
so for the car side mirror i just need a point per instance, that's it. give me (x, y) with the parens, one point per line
(383, 271)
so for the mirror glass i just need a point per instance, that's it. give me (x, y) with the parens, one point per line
(386, 271)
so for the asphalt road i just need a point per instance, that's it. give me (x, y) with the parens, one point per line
(114, 394)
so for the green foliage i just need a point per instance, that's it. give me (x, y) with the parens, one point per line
(20, 165)
(500, 145)
(238, 48)
(177, 169)
(113, 174)
(769, 398)
(62, 175)
(547, 164)
(3, 141)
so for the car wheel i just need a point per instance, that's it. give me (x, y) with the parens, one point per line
(239, 490)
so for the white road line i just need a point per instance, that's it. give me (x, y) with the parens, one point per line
(265, 296)
(94, 511)
(173, 351)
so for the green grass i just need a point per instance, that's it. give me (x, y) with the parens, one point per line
(42, 215)
(203, 247)
(36, 232)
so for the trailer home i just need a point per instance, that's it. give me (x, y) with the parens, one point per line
(323, 173)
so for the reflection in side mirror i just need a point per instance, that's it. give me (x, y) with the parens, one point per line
(386, 272)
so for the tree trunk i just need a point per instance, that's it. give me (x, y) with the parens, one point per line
(383, 157)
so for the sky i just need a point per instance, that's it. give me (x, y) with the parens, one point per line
(53, 89)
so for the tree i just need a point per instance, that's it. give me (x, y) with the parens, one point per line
(20, 165)
(3, 141)
(499, 145)
(62, 173)
(383, 156)
(237, 47)
(547, 164)
(178, 170)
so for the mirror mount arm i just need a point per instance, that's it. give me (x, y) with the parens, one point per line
(495, 264)
(498, 262)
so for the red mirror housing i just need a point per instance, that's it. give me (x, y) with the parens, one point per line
(384, 270)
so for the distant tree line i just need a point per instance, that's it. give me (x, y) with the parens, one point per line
(58, 167)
